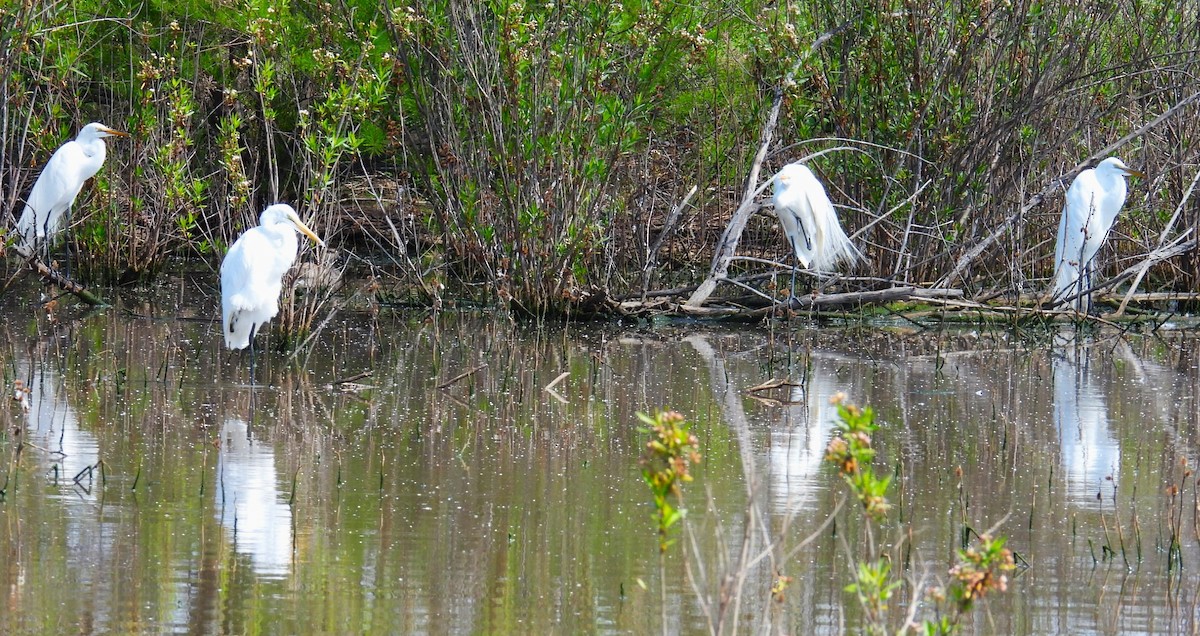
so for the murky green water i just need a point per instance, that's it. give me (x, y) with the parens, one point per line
(148, 489)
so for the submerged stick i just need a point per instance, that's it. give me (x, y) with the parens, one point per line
(460, 376)
(354, 378)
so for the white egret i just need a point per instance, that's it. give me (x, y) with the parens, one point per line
(810, 222)
(252, 275)
(60, 182)
(1093, 202)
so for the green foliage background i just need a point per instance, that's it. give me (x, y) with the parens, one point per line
(530, 152)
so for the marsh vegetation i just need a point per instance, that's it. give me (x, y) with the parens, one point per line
(539, 156)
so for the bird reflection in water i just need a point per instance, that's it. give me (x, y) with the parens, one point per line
(798, 442)
(250, 504)
(1090, 453)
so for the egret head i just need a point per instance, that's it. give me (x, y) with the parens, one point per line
(1116, 167)
(283, 213)
(97, 130)
(791, 173)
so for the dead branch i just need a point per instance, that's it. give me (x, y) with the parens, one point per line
(733, 231)
(871, 297)
(667, 230)
(1056, 184)
(1162, 239)
(53, 276)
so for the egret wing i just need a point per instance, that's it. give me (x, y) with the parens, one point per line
(787, 210)
(242, 288)
(833, 244)
(1075, 229)
(53, 192)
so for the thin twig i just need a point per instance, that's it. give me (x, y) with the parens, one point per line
(1055, 184)
(1162, 239)
(460, 376)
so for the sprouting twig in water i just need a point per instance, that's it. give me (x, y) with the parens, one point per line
(89, 471)
(460, 376)
(354, 378)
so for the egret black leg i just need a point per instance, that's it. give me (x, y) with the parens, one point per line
(253, 331)
(66, 242)
(792, 296)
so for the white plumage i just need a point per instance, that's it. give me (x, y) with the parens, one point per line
(252, 273)
(1093, 202)
(809, 220)
(60, 181)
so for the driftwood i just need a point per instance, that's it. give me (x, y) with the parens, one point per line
(875, 297)
(54, 276)
(814, 302)
(938, 304)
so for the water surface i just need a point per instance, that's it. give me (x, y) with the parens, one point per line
(148, 488)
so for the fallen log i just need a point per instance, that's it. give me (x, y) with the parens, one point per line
(825, 301)
(874, 297)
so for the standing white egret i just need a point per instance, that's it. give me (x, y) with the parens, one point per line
(1093, 202)
(252, 275)
(810, 222)
(60, 181)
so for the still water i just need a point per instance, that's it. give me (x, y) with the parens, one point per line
(147, 488)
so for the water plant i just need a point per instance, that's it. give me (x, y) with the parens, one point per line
(666, 466)
(978, 570)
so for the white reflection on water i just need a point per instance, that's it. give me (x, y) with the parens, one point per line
(53, 433)
(798, 441)
(249, 502)
(53, 429)
(1090, 452)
